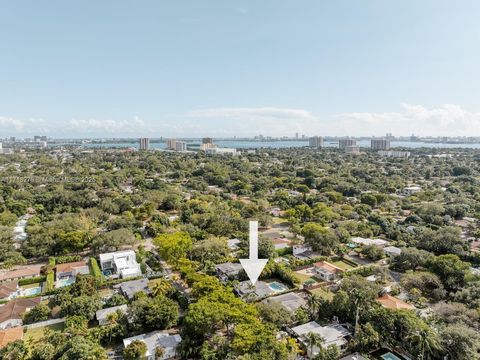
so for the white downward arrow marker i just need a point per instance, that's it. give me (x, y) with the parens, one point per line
(253, 266)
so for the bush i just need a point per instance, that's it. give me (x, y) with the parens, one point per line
(96, 272)
(33, 280)
(50, 283)
(67, 259)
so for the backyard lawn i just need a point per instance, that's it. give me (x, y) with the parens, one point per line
(322, 293)
(37, 334)
(342, 264)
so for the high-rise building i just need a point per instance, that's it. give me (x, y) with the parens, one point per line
(343, 143)
(144, 143)
(352, 149)
(296, 135)
(180, 146)
(171, 144)
(315, 142)
(207, 140)
(380, 144)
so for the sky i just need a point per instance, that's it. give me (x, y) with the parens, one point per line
(118, 68)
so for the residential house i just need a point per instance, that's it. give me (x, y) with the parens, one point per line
(121, 264)
(8, 290)
(366, 242)
(280, 243)
(304, 252)
(411, 190)
(326, 271)
(157, 340)
(333, 334)
(11, 313)
(103, 314)
(290, 301)
(10, 335)
(392, 251)
(66, 273)
(248, 291)
(21, 273)
(228, 271)
(393, 303)
(130, 288)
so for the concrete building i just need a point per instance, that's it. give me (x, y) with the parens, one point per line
(352, 149)
(157, 340)
(333, 334)
(380, 144)
(207, 140)
(5, 151)
(394, 154)
(171, 144)
(228, 271)
(121, 264)
(316, 142)
(221, 151)
(326, 271)
(67, 273)
(343, 143)
(180, 146)
(144, 143)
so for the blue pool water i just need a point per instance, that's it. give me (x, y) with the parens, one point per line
(277, 287)
(390, 356)
(65, 282)
(32, 291)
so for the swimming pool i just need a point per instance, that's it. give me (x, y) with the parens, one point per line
(31, 291)
(277, 287)
(390, 356)
(65, 282)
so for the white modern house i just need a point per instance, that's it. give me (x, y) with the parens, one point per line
(121, 264)
(333, 334)
(165, 343)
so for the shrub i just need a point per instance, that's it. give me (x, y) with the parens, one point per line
(33, 280)
(96, 272)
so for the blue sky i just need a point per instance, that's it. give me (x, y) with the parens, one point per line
(223, 68)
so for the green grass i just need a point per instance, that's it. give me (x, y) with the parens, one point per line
(322, 293)
(37, 334)
(342, 265)
(303, 277)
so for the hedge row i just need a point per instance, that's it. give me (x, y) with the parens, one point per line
(33, 280)
(96, 272)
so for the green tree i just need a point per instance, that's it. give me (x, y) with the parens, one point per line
(173, 247)
(136, 350)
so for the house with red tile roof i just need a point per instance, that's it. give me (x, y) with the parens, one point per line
(66, 273)
(10, 335)
(391, 302)
(21, 273)
(327, 271)
(11, 313)
(8, 290)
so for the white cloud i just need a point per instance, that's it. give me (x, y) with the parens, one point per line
(107, 126)
(446, 120)
(7, 123)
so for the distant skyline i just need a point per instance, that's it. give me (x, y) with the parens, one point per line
(118, 68)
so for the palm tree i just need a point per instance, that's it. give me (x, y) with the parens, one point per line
(426, 342)
(313, 305)
(313, 340)
(159, 352)
(161, 287)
